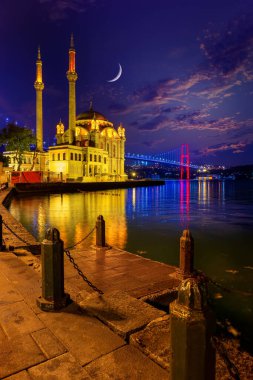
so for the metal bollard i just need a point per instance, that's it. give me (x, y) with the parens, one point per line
(52, 258)
(192, 326)
(186, 254)
(100, 232)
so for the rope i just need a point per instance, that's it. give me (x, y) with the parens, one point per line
(79, 242)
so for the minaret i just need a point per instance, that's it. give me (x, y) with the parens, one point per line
(39, 87)
(72, 77)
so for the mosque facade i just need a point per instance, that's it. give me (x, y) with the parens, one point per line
(91, 149)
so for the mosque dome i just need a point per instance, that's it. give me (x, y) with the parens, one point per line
(92, 119)
(91, 114)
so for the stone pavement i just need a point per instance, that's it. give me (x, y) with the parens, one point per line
(72, 343)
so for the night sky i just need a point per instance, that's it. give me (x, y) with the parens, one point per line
(187, 70)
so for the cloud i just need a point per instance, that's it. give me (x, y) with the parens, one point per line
(229, 52)
(236, 148)
(195, 102)
(59, 9)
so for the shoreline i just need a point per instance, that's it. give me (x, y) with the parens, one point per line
(73, 187)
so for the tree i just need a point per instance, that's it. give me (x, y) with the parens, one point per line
(17, 139)
(4, 159)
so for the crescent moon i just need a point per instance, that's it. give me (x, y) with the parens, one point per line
(117, 76)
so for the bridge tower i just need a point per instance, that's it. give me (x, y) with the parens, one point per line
(185, 162)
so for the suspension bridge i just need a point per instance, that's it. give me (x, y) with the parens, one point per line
(178, 157)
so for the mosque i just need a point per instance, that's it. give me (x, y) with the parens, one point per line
(91, 149)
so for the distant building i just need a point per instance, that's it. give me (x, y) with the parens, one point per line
(91, 149)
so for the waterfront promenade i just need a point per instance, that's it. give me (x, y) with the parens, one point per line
(114, 336)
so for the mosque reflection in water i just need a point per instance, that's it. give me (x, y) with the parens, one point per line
(75, 214)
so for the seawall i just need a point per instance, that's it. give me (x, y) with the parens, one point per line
(73, 187)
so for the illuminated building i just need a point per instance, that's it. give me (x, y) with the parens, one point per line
(91, 149)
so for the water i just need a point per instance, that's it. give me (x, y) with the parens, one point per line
(150, 220)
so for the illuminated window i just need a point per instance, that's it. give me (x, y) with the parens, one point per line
(71, 156)
(64, 156)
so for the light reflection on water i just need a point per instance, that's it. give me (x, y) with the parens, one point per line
(150, 220)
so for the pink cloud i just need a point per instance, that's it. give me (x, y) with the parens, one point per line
(234, 147)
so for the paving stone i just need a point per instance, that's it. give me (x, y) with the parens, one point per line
(75, 285)
(126, 363)
(123, 313)
(154, 341)
(48, 343)
(64, 367)
(17, 354)
(18, 318)
(23, 278)
(169, 285)
(2, 334)
(8, 294)
(115, 282)
(23, 375)
(85, 337)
